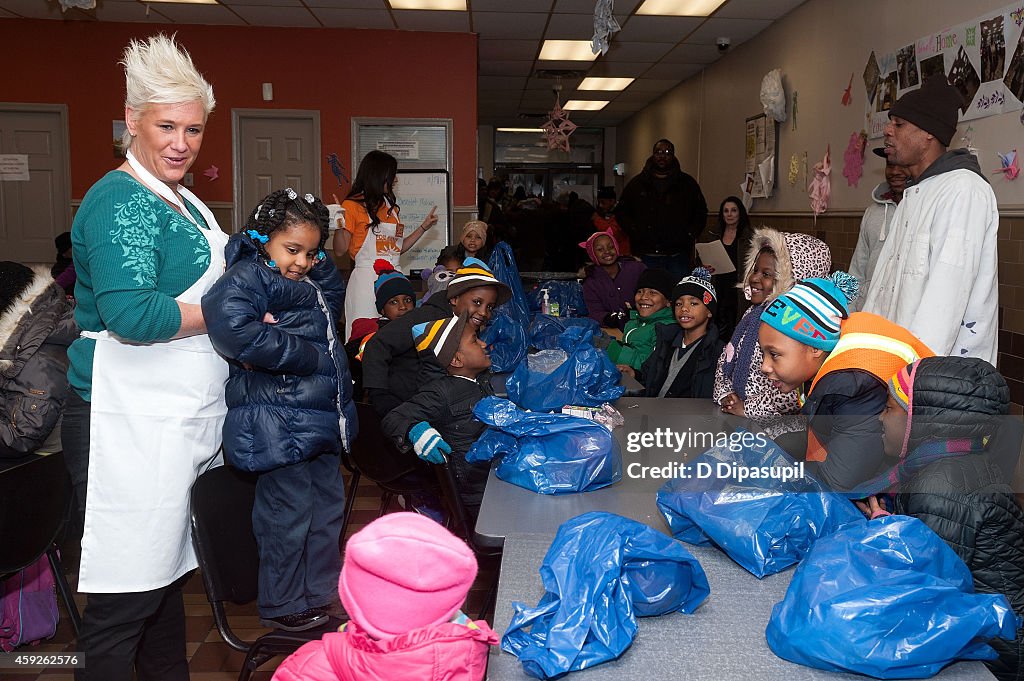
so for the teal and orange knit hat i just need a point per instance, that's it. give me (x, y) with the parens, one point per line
(812, 311)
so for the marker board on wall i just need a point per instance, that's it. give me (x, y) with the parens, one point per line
(417, 191)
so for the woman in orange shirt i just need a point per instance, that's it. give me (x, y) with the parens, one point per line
(369, 228)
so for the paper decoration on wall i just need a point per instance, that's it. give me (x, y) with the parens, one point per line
(792, 111)
(967, 140)
(773, 97)
(820, 190)
(212, 173)
(766, 172)
(847, 97)
(337, 169)
(65, 5)
(853, 158)
(557, 128)
(794, 170)
(605, 26)
(746, 187)
(1010, 170)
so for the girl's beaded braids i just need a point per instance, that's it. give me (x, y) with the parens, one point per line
(282, 209)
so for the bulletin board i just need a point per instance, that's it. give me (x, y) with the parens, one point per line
(417, 191)
(761, 158)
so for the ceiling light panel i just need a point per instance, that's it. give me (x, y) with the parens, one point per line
(448, 5)
(567, 50)
(606, 84)
(585, 104)
(679, 8)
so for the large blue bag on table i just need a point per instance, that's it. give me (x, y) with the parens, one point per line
(601, 572)
(546, 453)
(765, 524)
(574, 373)
(888, 599)
(545, 329)
(506, 334)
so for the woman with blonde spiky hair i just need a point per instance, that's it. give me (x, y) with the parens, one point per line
(147, 406)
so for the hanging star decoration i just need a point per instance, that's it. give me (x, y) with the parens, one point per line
(557, 128)
(212, 173)
(337, 169)
(847, 96)
(1009, 168)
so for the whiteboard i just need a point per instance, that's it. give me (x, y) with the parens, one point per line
(417, 191)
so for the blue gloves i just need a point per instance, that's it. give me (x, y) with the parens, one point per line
(428, 443)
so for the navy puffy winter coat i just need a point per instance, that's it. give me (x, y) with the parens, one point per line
(294, 402)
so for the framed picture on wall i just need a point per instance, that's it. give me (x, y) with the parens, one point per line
(762, 153)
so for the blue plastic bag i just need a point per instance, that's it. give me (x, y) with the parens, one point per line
(888, 599)
(574, 373)
(567, 293)
(506, 334)
(601, 572)
(546, 453)
(764, 524)
(545, 329)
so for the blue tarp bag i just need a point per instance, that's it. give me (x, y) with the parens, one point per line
(545, 329)
(506, 334)
(574, 373)
(888, 599)
(546, 453)
(765, 524)
(601, 573)
(567, 293)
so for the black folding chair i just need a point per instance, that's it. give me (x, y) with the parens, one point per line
(221, 512)
(37, 500)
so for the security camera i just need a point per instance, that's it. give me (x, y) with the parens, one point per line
(723, 43)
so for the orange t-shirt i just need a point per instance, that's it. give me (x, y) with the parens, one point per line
(357, 223)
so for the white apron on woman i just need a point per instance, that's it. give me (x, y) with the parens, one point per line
(360, 301)
(157, 413)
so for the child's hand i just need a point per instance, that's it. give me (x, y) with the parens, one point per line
(732, 404)
(872, 507)
(269, 319)
(428, 443)
(626, 369)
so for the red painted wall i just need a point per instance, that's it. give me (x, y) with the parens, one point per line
(342, 73)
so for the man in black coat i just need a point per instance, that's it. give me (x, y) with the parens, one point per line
(663, 211)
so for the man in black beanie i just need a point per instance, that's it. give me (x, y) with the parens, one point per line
(937, 271)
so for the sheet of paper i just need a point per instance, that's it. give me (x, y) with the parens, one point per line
(713, 254)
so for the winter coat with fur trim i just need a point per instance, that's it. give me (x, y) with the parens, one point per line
(34, 337)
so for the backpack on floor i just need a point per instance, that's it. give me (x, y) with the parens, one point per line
(28, 606)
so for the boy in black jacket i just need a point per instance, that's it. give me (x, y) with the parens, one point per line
(439, 420)
(684, 358)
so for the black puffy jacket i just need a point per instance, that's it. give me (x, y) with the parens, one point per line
(966, 499)
(287, 408)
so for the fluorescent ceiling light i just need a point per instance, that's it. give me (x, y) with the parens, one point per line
(679, 8)
(567, 50)
(457, 5)
(585, 104)
(182, 2)
(519, 129)
(607, 84)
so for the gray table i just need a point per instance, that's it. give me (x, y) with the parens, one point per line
(724, 639)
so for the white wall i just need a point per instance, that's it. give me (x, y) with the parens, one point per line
(817, 46)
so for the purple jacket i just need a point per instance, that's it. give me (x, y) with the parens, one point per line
(604, 295)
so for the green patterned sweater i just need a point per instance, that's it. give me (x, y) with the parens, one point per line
(133, 254)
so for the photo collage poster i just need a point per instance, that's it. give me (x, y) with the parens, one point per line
(983, 58)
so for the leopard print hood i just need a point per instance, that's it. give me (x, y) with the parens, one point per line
(799, 256)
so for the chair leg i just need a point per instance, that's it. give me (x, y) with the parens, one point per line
(62, 587)
(350, 501)
(385, 500)
(492, 597)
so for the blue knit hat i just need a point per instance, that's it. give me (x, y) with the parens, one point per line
(812, 311)
(389, 284)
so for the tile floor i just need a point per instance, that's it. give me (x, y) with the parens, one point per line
(210, 659)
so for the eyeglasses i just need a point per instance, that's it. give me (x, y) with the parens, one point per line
(663, 152)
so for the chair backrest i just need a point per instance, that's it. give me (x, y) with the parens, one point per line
(221, 512)
(373, 452)
(36, 497)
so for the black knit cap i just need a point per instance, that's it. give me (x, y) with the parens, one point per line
(14, 279)
(934, 108)
(62, 242)
(698, 285)
(657, 279)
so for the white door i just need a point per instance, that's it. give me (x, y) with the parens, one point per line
(34, 211)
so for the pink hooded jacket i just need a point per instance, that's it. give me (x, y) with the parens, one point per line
(444, 652)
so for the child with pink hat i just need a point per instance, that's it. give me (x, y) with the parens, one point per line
(403, 581)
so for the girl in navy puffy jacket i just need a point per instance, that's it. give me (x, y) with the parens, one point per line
(289, 398)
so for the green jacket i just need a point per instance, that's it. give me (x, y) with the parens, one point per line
(637, 342)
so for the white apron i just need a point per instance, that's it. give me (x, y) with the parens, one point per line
(360, 301)
(156, 420)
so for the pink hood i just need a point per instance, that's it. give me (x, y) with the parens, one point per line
(446, 652)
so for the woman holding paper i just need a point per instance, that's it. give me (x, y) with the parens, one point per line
(734, 231)
(369, 229)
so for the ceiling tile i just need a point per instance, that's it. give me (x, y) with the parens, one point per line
(688, 53)
(628, 107)
(4, 14)
(570, 27)
(354, 18)
(506, 68)
(508, 50)
(33, 9)
(738, 30)
(571, 66)
(548, 84)
(516, 6)
(622, 7)
(635, 98)
(677, 71)
(277, 16)
(340, 4)
(658, 29)
(501, 83)
(275, 3)
(200, 14)
(638, 51)
(525, 25)
(419, 20)
(128, 10)
(652, 84)
(603, 69)
(757, 9)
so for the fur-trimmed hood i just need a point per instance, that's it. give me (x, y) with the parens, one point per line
(799, 256)
(40, 314)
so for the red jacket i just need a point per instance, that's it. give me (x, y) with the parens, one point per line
(446, 652)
